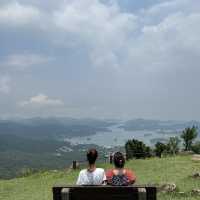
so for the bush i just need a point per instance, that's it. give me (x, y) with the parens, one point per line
(173, 145)
(188, 135)
(137, 149)
(196, 147)
(24, 172)
(160, 148)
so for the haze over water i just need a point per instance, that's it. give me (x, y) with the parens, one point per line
(118, 137)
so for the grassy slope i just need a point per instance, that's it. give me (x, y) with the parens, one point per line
(171, 169)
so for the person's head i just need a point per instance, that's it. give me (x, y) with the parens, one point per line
(92, 155)
(119, 160)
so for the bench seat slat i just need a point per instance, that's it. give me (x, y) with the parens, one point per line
(103, 193)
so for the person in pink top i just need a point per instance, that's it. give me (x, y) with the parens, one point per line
(120, 176)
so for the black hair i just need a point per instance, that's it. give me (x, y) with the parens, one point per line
(92, 155)
(119, 160)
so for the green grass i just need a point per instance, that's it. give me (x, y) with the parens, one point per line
(150, 171)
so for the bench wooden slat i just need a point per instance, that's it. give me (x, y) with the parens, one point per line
(65, 194)
(151, 193)
(104, 193)
(142, 193)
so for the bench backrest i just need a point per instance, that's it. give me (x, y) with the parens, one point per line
(103, 193)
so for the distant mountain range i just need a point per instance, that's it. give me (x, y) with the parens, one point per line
(151, 125)
(45, 128)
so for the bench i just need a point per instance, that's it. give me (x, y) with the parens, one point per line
(104, 193)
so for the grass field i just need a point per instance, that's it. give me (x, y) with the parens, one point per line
(151, 171)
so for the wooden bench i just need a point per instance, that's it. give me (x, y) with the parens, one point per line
(104, 193)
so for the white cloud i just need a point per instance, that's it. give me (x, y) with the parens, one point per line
(153, 54)
(168, 7)
(120, 40)
(5, 84)
(41, 100)
(22, 61)
(15, 13)
(103, 29)
(156, 52)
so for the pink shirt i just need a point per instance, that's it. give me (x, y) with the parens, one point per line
(128, 173)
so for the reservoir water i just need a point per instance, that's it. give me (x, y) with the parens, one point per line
(118, 137)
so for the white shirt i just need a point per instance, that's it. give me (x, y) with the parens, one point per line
(95, 177)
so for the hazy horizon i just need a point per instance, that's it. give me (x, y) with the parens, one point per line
(116, 120)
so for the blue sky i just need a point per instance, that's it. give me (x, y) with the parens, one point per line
(102, 59)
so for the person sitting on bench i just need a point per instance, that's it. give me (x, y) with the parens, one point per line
(91, 175)
(119, 176)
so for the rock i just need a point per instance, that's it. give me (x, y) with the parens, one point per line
(196, 175)
(196, 157)
(196, 191)
(181, 193)
(168, 187)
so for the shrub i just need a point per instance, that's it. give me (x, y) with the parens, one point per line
(137, 149)
(196, 147)
(173, 145)
(188, 135)
(160, 148)
(24, 172)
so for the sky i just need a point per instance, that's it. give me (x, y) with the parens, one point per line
(100, 59)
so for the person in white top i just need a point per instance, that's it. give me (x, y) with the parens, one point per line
(91, 175)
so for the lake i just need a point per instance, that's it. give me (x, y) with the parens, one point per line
(118, 137)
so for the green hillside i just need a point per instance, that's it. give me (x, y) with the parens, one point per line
(176, 170)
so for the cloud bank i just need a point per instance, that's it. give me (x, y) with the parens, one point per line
(17, 14)
(124, 62)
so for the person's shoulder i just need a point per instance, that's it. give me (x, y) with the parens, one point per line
(109, 172)
(128, 170)
(130, 174)
(100, 170)
(83, 171)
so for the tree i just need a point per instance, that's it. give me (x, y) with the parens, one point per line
(128, 148)
(196, 147)
(160, 148)
(188, 135)
(137, 149)
(173, 145)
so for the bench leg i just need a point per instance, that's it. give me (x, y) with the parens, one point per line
(142, 194)
(65, 194)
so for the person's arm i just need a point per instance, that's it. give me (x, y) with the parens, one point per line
(104, 182)
(109, 175)
(131, 176)
(79, 180)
